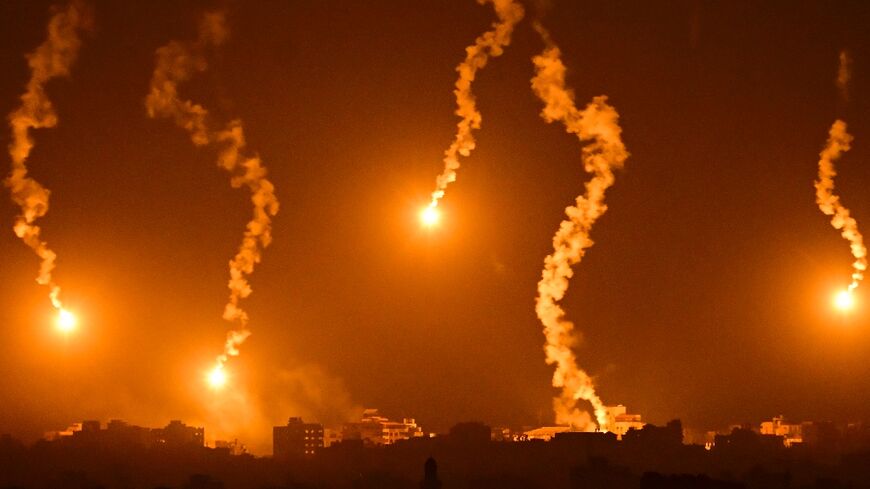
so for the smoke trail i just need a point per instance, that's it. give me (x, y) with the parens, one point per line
(839, 141)
(490, 43)
(176, 63)
(52, 59)
(248, 172)
(844, 74)
(598, 125)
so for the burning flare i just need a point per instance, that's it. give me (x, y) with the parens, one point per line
(430, 216)
(839, 141)
(66, 321)
(176, 63)
(490, 43)
(52, 59)
(217, 377)
(598, 125)
(844, 300)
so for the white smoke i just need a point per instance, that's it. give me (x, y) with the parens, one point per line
(596, 126)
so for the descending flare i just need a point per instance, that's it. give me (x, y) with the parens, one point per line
(844, 300)
(217, 377)
(66, 321)
(490, 43)
(52, 59)
(839, 141)
(598, 125)
(176, 63)
(430, 216)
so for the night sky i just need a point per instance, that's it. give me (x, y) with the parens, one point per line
(706, 297)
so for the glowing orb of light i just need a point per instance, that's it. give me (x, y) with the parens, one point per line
(430, 216)
(217, 378)
(66, 321)
(844, 300)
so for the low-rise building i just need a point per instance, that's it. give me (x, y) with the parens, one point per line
(178, 434)
(620, 421)
(234, 447)
(545, 433)
(374, 429)
(790, 433)
(119, 435)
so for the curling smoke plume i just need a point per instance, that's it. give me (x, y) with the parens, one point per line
(490, 43)
(597, 125)
(52, 59)
(844, 74)
(839, 141)
(176, 63)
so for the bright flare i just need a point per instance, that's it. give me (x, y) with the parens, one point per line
(66, 321)
(217, 378)
(430, 216)
(844, 301)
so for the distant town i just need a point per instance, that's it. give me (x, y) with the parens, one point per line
(375, 451)
(299, 438)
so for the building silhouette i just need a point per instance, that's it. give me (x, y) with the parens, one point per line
(178, 434)
(120, 435)
(297, 439)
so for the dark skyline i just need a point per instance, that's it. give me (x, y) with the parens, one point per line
(706, 296)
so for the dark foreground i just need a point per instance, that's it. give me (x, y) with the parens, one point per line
(651, 458)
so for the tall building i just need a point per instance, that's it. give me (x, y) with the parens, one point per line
(297, 439)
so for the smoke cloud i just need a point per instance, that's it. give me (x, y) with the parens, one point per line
(597, 126)
(839, 141)
(490, 43)
(250, 411)
(52, 59)
(177, 62)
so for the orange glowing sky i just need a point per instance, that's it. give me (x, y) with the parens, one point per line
(707, 296)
